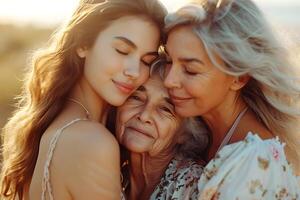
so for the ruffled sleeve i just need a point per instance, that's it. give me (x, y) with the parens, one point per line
(250, 169)
(180, 181)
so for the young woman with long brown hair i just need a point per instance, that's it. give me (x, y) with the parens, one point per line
(56, 145)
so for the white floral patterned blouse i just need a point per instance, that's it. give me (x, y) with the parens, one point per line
(252, 169)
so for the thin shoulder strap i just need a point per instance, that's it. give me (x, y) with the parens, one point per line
(46, 184)
(232, 129)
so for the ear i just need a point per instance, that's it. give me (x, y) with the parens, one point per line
(81, 52)
(239, 82)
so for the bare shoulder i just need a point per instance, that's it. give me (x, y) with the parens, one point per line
(89, 139)
(91, 152)
(86, 140)
(250, 123)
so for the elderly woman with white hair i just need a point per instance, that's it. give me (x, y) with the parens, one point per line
(226, 67)
(162, 151)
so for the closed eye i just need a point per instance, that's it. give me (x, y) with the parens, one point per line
(149, 59)
(189, 72)
(121, 52)
(135, 97)
(147, 64)
(166, 109)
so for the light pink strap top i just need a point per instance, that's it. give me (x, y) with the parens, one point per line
(46, 184)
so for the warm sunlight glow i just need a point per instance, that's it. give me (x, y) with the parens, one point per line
(52, 12)
(173, 5)
(41, 12)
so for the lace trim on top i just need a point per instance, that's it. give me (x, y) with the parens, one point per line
(46, 183)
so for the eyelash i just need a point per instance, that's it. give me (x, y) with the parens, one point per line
(188, 72)
(135, 97)
(147, 64)
(125, 54)
(165, 109)
(121, 52)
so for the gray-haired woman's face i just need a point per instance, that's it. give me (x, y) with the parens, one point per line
(147, 121)
(195, 85)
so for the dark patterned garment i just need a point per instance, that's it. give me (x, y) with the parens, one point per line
(180, 181)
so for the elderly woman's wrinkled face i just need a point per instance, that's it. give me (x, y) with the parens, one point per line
(195, 85)
(147, 121)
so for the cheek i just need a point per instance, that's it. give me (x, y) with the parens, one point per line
(97, 67)
(166, 132)
(123, 117)
(107, 61)
(194, 88)
(144, 75)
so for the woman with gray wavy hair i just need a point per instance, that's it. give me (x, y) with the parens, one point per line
(226, 67)
(158, 143)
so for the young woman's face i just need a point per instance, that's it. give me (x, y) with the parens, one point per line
(195, 85)
(147, 122)
(118, 62)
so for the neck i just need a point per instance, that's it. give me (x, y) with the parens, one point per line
(96, 106)
(146, 172)
(221, 119)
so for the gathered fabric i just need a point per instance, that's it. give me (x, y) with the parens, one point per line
(249, 169)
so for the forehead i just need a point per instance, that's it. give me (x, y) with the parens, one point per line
(140, 30)
(154, 87)
(183, 40)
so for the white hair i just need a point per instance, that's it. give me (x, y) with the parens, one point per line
(237, 32)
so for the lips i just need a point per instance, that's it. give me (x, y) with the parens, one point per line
(178, 99)
(140, 131)
(124, 87)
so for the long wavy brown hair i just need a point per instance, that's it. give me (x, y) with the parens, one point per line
(54, 72)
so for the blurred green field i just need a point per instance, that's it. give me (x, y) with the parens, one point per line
(17, 43)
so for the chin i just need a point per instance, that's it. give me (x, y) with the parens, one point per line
(135, 148)
(116, 100)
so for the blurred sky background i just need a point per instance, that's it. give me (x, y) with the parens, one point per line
(25, 25)
(51, 12)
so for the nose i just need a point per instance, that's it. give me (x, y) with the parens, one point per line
(172, 78)
(132, 69)
(145, 115)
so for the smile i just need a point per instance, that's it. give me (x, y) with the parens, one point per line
(178, 100)
(124, 87)
(140, 131)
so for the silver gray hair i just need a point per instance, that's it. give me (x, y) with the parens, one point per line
(237, 32)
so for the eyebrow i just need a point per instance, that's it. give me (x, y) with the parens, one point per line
(189, 60)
